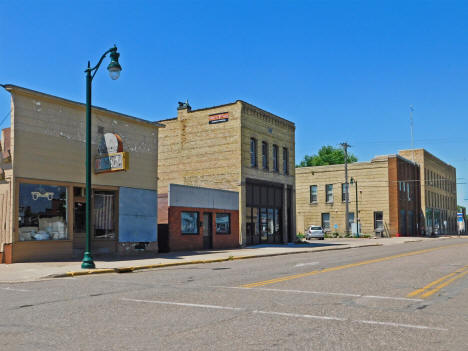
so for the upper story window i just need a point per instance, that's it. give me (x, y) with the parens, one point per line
(253, 152)
(264, 155)
(329, 193)
(313, 194)
(285, 161)
(275, 158)
(344, 191)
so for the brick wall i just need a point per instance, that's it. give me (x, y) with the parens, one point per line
(403, 198)
(373, 194)
(189, 242)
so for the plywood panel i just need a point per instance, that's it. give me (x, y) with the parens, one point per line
(137, 215)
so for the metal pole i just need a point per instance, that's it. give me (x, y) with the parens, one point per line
(356, 216)
(87, 258)
(345, 147)
(412, 131)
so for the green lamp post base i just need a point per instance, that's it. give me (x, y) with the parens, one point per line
(87, 262)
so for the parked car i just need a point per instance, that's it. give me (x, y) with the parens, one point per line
(314, 231)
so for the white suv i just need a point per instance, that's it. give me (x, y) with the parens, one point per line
(314, 231)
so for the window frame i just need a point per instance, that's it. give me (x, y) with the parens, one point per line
(115, 215)
(329, 197)
(229, 221)
(17, 210)
(198, 223)
(343, 194)
(265, 160)
(275, 158)
(314, 186)
(285, 161)
(253, 153)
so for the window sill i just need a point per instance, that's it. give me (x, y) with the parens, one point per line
(43, 241)
(223, 233)
(190, 233)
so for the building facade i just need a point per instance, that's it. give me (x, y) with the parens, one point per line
(385, 192)
(438, 192)
(236, 147)
(42, 193)
(199, 218)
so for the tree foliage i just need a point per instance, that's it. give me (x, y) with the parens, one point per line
(327, 155)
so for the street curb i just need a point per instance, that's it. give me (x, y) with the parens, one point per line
(224, 259)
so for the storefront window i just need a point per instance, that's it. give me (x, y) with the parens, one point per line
(263, 224)
(104, 217)
(42, 212)
(189, 222)
(277, 224)
(223, 223)
(256, 225)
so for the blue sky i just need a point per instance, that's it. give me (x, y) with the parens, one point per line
(341, 70)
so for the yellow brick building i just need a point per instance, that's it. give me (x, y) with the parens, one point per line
(237, 147)
(387, 196)
(438, 192)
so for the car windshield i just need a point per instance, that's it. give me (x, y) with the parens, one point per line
(315, 228)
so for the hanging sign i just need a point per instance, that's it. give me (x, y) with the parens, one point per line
(218, 118)
(112, 163)
(112, 158)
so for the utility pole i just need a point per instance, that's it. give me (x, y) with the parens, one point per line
(356, 216)
(345, 146)
(412, 130)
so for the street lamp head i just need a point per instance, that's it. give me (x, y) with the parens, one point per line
(114, 67)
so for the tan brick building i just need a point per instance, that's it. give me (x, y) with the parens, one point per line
(438, 192)
(237, 147)
(387, 192)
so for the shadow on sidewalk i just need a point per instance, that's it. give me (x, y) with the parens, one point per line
(294, 246)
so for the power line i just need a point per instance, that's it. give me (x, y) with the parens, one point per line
(5, 117)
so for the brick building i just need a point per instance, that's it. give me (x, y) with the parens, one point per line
(199, 218)
(236, 147)
(388, 194)
(438, 192)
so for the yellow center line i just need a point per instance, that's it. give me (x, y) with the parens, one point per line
(435, 282)
(444, 284)
(351, 265)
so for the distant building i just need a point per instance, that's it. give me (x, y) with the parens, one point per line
(236, 147)
(438, 192)
(388, 196)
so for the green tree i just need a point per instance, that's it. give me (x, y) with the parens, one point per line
(327, 155)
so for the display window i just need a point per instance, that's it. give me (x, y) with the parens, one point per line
(223, 223)
(42, 212)
(189, 223)
(104, 214)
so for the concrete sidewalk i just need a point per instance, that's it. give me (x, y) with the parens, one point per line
(21, 272)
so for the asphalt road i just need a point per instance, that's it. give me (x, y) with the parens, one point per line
(403, 297)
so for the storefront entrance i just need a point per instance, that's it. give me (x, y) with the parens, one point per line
(207, 231)
(264, 217)
(103, 220)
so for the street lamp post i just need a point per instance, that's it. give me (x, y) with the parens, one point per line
(114, 72)
(356, 215)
